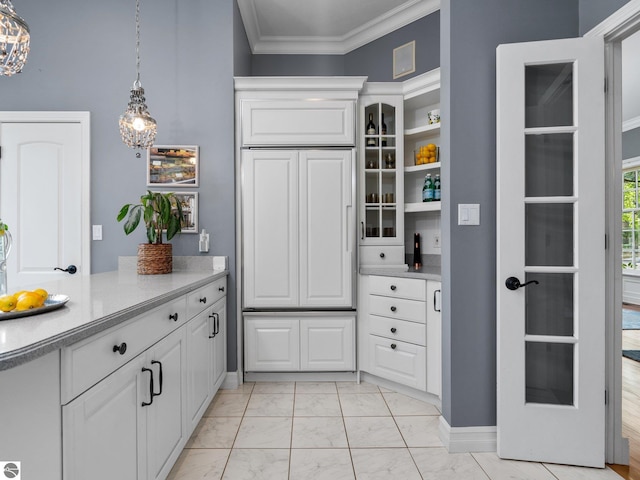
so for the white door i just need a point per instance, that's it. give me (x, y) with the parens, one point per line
(198, 367)
(327, 343)
(550, 238)
(270, 228)
(218, 351)
(44, 193)
(326, 228)
(271, 344)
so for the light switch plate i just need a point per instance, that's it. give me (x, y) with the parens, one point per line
(468, 214)
(97, 232)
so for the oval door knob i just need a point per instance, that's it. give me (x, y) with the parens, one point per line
(512, 283)
(71, 269)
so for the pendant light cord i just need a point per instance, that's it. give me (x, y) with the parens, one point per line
(138, 43)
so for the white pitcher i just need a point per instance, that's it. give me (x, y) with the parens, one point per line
(5, 248)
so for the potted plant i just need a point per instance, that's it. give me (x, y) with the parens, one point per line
(162, 212)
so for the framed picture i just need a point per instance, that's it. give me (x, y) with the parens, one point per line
(172, 165)
(404, 59)
(189, 203)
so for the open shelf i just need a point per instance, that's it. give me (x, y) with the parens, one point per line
(422, 207)
(423, 167)
(432, 128)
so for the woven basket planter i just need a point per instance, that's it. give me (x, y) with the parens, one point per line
(155, 259)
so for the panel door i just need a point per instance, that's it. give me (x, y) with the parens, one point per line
(166, 416)
(199, 374)
(434, 338)
(398, 361)
(551, 240)
(326, 228)
(44, 185)
(270, 228)
(101, 435)
(272, 344)
(218, 352)
(327, 343)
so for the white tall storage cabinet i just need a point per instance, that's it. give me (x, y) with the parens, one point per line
(296, 178)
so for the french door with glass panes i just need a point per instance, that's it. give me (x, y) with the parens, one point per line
(551, 251)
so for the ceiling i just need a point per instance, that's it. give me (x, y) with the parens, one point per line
(333, 27)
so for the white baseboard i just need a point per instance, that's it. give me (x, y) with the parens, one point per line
(467, 439)
(231, 381)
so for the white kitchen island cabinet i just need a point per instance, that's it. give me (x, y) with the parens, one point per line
(83, 403)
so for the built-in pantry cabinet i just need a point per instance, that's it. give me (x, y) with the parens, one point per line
(132, 420)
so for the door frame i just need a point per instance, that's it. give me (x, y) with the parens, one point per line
(618, 26)
(84, 120)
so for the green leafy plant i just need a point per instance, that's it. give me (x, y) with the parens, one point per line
(161, 211)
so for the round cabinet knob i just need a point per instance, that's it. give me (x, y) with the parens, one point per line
(393, 346)
(173, 317)
(221, 289)
(381, 254)
(393, 287)
(393, 330)
(203, 300)
(120, 348)
(393, 309)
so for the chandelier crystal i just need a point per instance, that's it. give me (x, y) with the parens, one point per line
(14, 40)
(137, 127)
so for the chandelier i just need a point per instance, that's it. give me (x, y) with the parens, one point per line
(137, 128)
(14, 40)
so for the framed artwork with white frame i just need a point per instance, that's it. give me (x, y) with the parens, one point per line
(173, 166)
(189, 203)
(404, 59)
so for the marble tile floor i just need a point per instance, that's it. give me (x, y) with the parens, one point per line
(338, 431)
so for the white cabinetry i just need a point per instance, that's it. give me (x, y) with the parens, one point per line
(132, 419)
(403, 341)
(290, 342)
(297, 210)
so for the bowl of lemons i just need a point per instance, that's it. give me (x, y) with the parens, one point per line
(29, 302)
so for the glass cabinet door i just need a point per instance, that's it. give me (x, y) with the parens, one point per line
(380, 188)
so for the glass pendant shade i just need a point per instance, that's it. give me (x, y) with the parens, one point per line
(14, 40)
(137, 128)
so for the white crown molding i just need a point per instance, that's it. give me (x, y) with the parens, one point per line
(380, 26)
(299, 83)
(421, 84)
(618, 25)
(630, 124)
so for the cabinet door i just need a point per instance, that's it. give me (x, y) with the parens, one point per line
(270, 228)
(199, 374)
(165, 417)
(218, 351)
(272, 344)
(327, 343)
(101, 436)
(434, 338)
(326, 228)
(381, 170)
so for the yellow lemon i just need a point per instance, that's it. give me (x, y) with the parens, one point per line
(431, 147)
(28, 301)
(8, 302)
(42, 292)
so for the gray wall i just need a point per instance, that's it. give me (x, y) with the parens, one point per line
(631, 143)
(470, 33)
(241, 48)
(83, 58)
(374, 60)
(592, 12)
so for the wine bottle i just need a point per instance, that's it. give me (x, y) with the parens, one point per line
(427, 189)
(371, 130)
(436, 188)
(417, 256)
(383, 132)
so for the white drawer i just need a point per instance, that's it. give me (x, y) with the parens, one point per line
(395, 329)
(381, 256)
(205, 296)
(87, 362)
(411, 310)
(398, 361)
(411, 288)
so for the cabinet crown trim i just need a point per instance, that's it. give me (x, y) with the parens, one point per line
(302, 84)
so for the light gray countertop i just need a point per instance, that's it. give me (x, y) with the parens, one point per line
(97, 302)
(426, 272)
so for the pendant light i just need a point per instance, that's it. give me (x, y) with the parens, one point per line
(137, 128)
(14, 40)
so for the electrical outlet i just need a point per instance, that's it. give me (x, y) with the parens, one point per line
(436, 240)
(97, 232)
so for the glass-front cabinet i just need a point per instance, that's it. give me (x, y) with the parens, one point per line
(381, 169)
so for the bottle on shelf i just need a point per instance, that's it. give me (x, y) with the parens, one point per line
(417, 256)
(428, 189)
(383, 132)
(371, 130)
(436, 188)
